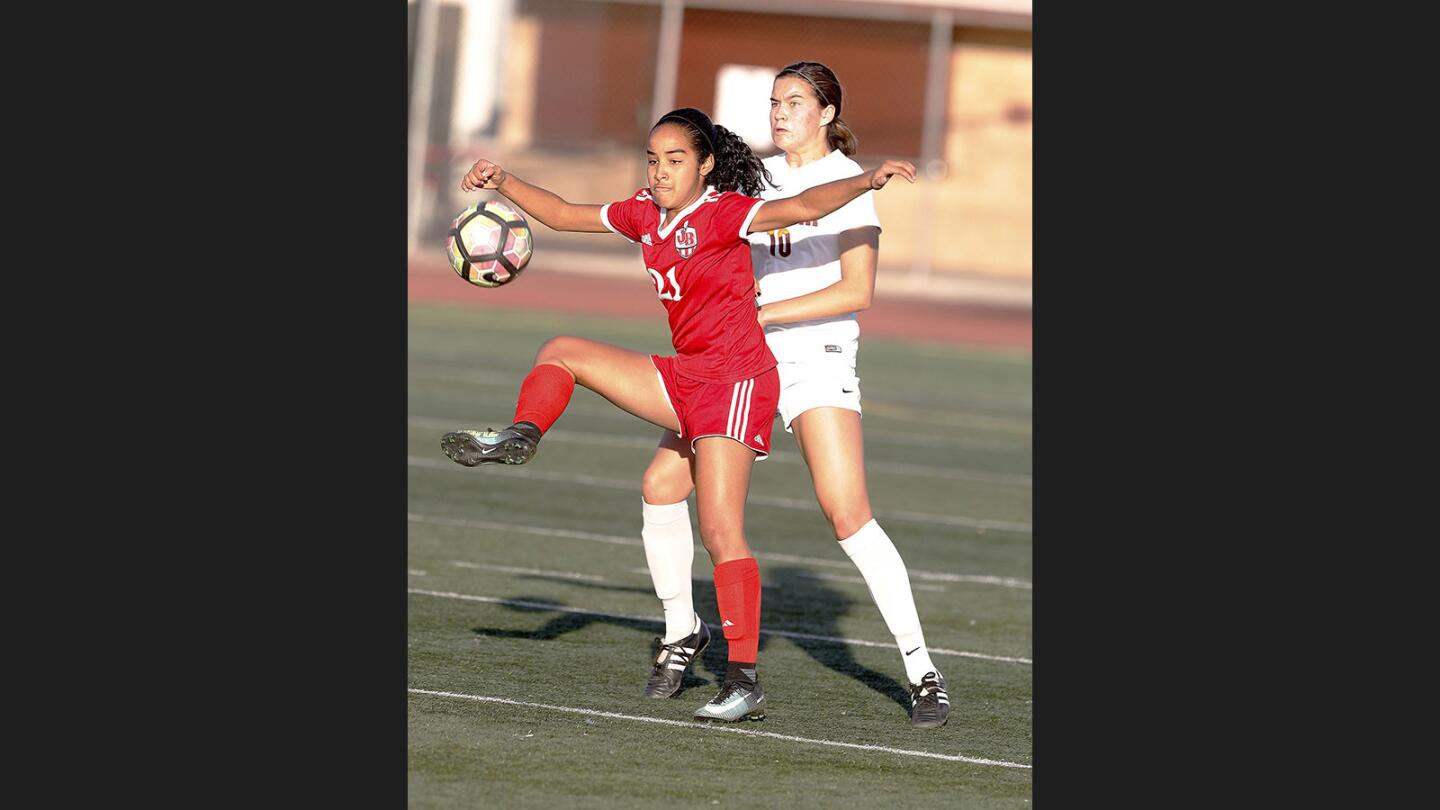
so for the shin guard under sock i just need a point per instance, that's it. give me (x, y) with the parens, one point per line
(669, 552)
(737, 595)
(871, 550)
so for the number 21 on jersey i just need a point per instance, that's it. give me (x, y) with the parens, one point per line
(660, 284)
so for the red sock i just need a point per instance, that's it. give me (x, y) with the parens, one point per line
(544, 395)
(737, 594)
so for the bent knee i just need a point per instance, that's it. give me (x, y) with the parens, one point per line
(846, 523)
(662, 485)
(717, 536)
(561, 351)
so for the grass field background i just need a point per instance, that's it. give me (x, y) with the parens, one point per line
(528, 585)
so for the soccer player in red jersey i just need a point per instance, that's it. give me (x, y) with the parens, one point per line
(813, 278)
(719, 391)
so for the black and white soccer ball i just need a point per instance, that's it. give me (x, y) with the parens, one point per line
(489, 244)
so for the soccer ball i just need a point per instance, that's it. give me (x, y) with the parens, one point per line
(489, 244)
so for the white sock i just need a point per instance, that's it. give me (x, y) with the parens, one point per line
(884, 572)
(669, 551)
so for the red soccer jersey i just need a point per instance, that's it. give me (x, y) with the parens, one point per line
(700, 263)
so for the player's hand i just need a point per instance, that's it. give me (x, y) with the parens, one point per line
(484, 174)
(881, 176)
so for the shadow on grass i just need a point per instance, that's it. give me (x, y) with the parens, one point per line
(792, 599)
(558, 625)
(795, 600)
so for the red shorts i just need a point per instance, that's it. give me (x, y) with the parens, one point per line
(743, 411)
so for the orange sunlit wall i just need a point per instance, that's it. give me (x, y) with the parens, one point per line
(881, 66)
(595, 72)
(596, 64)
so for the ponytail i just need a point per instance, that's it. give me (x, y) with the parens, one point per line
(736, 166)
(839, 135)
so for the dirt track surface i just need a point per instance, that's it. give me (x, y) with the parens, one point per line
(624, 297)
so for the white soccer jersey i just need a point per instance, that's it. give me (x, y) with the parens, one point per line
(805, 257)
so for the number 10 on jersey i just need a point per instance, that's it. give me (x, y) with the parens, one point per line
(780, 240)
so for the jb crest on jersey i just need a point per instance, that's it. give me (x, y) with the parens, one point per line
(700, 264)
(685, 240)
(667, 249)
(716, 219)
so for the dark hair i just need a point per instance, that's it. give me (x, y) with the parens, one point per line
(736, 166)
(827, 89)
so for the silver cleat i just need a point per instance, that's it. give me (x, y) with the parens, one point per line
(513, 445)
(737, 701)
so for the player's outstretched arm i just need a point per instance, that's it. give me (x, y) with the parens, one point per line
(827, 198)
(536, 202)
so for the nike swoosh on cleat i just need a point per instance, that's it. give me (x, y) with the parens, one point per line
(912, 651)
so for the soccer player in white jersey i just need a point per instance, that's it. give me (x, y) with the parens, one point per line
(813, 277)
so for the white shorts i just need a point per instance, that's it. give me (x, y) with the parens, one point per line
(824, 377)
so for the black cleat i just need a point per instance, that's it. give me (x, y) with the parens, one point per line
(674, 661)
(929, 705)
(513, 445)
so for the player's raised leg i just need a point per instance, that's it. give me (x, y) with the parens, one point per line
(624, 377)
(669, 554)
(831, 441)
(722, 480)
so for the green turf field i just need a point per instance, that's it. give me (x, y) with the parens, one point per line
(531, 615)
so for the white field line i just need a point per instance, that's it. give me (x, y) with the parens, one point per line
(510, 569)
(979, 524)
(651, 620)
(523, 529)
(932, 442)
(915, 573)
(510, 378)
(727, 729)
(813, 575)
(861, 580)
(782, 457)
(478, 376)
(938, 416)
(993, 354)
(925, 440)
(596, 410)
(949, 473)
(416, 572)
(895, 410)
(786, 457)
